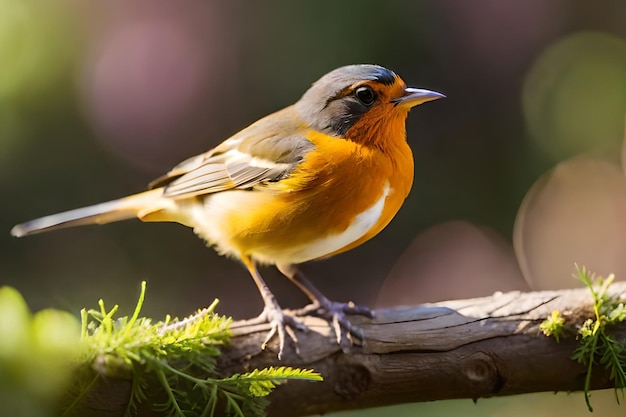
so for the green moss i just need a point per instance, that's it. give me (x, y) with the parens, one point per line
(51, 362)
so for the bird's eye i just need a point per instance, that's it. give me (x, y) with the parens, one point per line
(365, 95)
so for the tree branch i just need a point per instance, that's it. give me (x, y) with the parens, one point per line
(472, 348)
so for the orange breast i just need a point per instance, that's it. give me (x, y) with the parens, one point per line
(383, 129)
(323, 196)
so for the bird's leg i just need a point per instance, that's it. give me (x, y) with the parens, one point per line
(281, 323)
(334, 312)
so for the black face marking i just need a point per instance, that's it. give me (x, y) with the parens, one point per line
(347, 107)
(351, 112)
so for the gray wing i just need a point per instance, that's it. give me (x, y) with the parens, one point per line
(238, 163)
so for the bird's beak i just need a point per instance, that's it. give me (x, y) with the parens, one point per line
(415, 96)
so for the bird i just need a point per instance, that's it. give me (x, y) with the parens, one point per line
(310, 181)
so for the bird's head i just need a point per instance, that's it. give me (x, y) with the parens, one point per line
(363, 103)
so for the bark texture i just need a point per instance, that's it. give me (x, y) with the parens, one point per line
(471, 348)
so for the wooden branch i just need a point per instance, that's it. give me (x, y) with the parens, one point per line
(456, 349)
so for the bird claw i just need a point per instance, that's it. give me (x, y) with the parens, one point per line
(283, 325)
(336, 314)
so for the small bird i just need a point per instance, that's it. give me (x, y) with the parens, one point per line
(310, 181)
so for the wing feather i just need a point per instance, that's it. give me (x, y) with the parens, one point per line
(263, 152)
(214, 177)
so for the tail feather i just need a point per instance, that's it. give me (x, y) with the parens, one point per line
(108, 212)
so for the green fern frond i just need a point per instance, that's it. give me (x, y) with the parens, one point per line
(174, 353)
(260, 382)
(613, 357)
(596, 345)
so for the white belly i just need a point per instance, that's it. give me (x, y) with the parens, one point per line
(319, 248)
(206, 221)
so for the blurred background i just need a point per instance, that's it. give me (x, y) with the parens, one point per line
(518, 172)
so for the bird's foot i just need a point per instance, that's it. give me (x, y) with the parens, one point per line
(336, 314)
(283, 325)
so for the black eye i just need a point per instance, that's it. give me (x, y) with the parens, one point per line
(365, 95)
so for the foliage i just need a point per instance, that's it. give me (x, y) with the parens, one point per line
(554, 325)
(597, 346)
(179, 355)
(35, 352)
(48, 360)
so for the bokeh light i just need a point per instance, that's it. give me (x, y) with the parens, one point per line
(452, 260)
(147, 75)
(36, 50)
(32, 59)
(574, 96)
(574, 214)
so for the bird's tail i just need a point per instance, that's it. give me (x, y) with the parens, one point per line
(137, 205)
